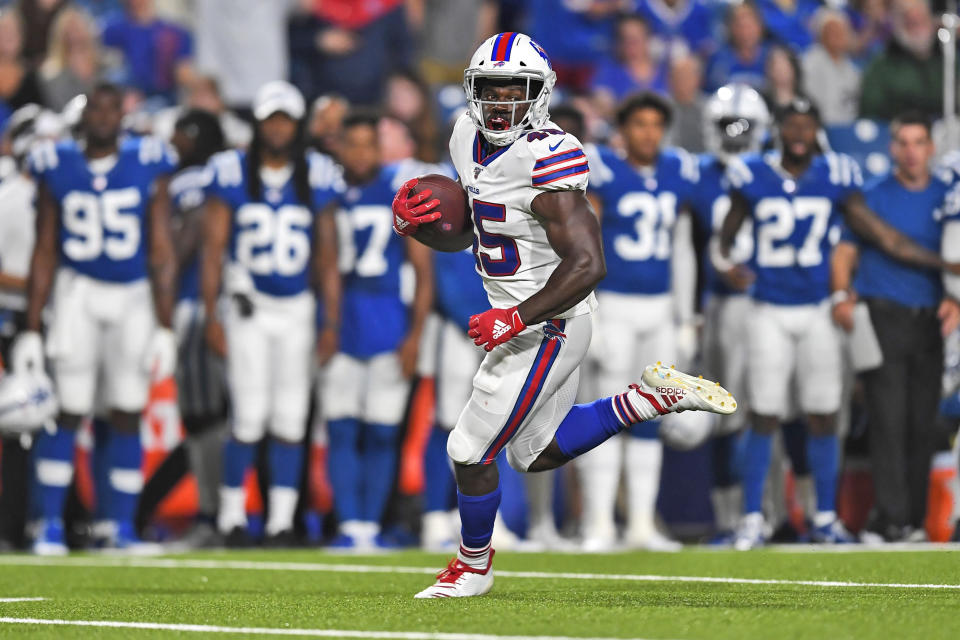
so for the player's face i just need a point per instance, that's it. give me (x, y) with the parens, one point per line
(102, 117)
(912, 149)
(499, 112)
(182, 142)
(360, 151)
(278, 133)
(798, 133)
(642, 133)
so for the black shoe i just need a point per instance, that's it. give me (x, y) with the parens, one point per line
(238, 538)
(283, 540)
(956, 532)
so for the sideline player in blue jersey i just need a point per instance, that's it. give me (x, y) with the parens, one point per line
(267, 210)
(736, 120)
(103, 234)
(367, 382)
(201, 379)
(638, 197)
(794, 197)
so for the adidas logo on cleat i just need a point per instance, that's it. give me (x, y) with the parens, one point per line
(671, 391)
(499, 328)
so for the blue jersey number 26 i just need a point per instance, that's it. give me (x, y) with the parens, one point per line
(496, 255)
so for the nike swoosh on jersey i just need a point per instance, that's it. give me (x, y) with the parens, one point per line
(555, 147)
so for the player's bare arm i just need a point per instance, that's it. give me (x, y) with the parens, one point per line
(843, 263)
(43, 263)
(327, 276)
(187, 236)
(574, 233)
(422, 262)
(216, 233)
(162, 259)
(864, 222)
(737, 276)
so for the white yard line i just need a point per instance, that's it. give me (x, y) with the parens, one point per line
(2, 600)
(166, 563)
(265, 631)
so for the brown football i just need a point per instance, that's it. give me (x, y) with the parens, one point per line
(453, 230)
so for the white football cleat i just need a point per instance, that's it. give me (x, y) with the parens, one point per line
(651, 540)
(750, 532)
(460, 581)
(669, 390)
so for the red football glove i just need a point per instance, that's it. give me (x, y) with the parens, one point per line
(495, 326)
(409, 212)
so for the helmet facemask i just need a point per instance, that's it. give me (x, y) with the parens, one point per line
(737, 135)
(515, 119)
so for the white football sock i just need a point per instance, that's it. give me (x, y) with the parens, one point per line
(599, 478)
(727, 505)
(283, 504)
(642, 407)
(539, 499)
(233, 511)
(643, 461)
(476, 558)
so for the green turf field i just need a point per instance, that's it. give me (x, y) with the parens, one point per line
(636, 595)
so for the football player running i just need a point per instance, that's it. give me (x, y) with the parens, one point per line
(639, 197)
(736, 121)
(539, 250)
(794, 196)
(266, 208)
(104, 251)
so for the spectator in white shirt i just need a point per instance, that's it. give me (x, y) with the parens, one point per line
(831, 79)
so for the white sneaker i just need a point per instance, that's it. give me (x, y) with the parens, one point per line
(436, 534)
(652, 540)
(546, 536)
(750, 532)
(460, 581)
(51, 541)
(668, 390)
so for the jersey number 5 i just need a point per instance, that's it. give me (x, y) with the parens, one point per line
(101, 224)
(496, 255)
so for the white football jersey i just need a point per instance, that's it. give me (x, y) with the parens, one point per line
(510, 243)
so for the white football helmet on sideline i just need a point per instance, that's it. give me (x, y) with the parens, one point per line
(27, 401)
(736, 120)
(510, 56)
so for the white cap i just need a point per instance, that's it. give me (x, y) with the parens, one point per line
(278, 96)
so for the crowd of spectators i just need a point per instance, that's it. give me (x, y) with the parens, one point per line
(854, 58)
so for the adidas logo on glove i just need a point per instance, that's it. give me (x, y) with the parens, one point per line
(500, 328)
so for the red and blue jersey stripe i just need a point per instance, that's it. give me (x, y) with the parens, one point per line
(503, 45)
(560, 173)
(557, 158)
(532, 386)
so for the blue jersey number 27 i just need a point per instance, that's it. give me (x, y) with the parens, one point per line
(496, 255)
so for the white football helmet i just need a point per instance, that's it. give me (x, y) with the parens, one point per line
(510, 56)
(27, 401)
(736, 120)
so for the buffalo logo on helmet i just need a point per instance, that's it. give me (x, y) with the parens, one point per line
(539, 49)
